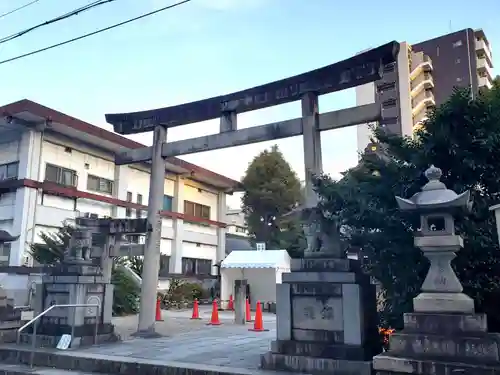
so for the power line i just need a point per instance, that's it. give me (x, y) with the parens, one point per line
(95, 32)
(54, 20)
(18, 8)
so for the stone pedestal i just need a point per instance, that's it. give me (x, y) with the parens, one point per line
(326, 319)
(10, 318)
(440, 343)
(74, 284)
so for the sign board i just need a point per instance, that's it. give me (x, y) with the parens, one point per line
(261, 246)
(64, 342)
(127, 226)
(27, 315)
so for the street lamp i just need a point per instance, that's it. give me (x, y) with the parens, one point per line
(267, 222)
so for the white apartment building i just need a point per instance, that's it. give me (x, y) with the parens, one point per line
(424, 76)
(54, 167)
(236, 222)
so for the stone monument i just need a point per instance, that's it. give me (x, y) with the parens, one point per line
(325, 308)
(10, 316)
(76, 281)
(443, 335)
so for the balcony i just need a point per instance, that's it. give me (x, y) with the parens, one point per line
(417, 127)
(484, 82)
(420, 63)
(420, 117)
(422, 101)
(421, 82)
(483, 48)
(484, 68)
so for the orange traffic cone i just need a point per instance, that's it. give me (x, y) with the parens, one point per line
(230, 305)
(214, 320)
(258, 325)
(158, 310)
(196, 310)
(248, 313)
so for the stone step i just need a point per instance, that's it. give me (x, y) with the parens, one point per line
(91, 363)
(386, 364)
(321, 350)
(311, 365)
(445, 324)
(6, 369)
(483, 347)
(48, 341)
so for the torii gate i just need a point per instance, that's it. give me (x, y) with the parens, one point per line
(358, 70)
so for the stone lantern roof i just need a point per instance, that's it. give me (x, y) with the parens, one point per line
(435, 195)
(7, 237)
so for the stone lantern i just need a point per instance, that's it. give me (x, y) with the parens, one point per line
(441, 290)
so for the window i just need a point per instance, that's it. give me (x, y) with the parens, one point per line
(60, 175)
(188, 266)
(204, 266)
(389, 103)
(5, 254)
(128, 210)
(197, 210)
(164, 264)
(138, 239)
(167, 203)
(138, 213)
(193, 266)
(9, 171)
(458, 43)
(102, 185)
(389, 67)
(386, 86)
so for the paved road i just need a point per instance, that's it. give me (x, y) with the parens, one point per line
(192, 341)
(175, 322)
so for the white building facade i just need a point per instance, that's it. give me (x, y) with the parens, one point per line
(236, 222)
(54, 167)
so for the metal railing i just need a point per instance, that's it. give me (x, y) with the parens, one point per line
(35, 320)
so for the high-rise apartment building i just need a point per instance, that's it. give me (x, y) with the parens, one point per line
(424, 76)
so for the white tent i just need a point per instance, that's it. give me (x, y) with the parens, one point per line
(261, 268)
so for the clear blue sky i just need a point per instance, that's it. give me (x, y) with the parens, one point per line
(210, 47)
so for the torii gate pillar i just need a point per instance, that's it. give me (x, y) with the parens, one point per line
(151, 267)
(311, 137)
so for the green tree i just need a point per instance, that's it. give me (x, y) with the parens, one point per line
(136, 264)
(272, 189)
(51, 252)
(462, 137)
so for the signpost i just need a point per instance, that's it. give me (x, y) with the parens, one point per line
(358, 70)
